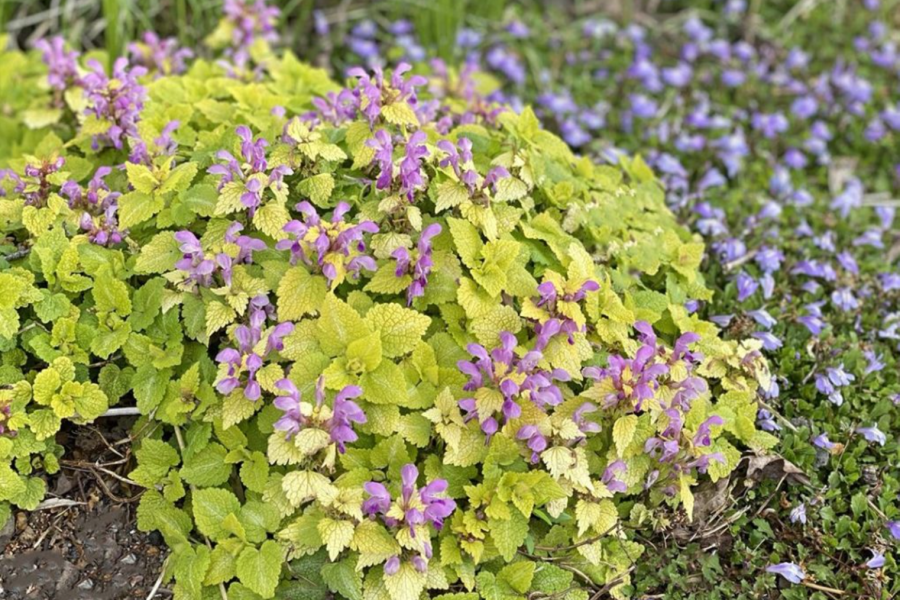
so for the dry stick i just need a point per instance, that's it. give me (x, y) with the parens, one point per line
(158, 581)
(123, 411)
(822, 588)
(193, 489)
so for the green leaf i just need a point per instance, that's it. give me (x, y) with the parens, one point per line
(509, 535)
(623, 432)
(207, 467)
(299, 294)
(141, 178)
(136, 207)
(405, 584)
(449, 194)
(110, 294)
(343, 579)
(339, 325)
(318, 188)
(255, 472)
(336, 535)
(211, 506)
(385, 385)
(260, 570)
(400, 328)
(150, 386)
(518, 575)
(160, 255)
(467, 241)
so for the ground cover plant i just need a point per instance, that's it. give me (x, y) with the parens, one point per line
(283, 255)
(389, 333)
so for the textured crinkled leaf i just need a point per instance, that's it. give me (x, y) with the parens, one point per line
(400, 328)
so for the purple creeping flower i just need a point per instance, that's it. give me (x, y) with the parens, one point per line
(421, 268)
(245, 357)
(702, 437)
(894, 528)
(877, 560)
(199, 268)
(164, 56)
(514, 377)
(873, 434)
(798, 514)
(823, 442)
(62, 65)
(790, 571)
(252, 177)
(99, 219)
(334, 248)
(116, 101)
(338, 422)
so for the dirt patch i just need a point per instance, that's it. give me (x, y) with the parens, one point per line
(87, 546)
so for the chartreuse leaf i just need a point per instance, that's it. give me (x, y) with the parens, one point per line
(509, 534)
(259, 569)
(400, 328)
(299, 294)
(406, 584)
(211, 507)
(336, 535)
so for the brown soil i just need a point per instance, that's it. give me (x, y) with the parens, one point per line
(86, 551)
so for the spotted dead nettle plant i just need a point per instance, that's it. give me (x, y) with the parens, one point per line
(408, 335)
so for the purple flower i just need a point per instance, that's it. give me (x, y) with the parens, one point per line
(411, 166)
(249, 21)
(894, 528)
(345, 413)
(766, 421)
(746, 286)
(702, 437)
(790, 571)
(163, 55)
(877, 560)
(418, 505)
(611, 476)
(421, 268)
(535, 441)
(798, 514)
(334, 248)
(250, 178)
(874, 362)
(516, 378)
(338, 422)
(62, 65)
(116, 101)
(244, 357)
(823, 442)
(770, 341)
(873, 434)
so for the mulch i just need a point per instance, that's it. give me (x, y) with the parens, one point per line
(85, 544)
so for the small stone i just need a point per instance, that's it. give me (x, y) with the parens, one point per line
(87, 584)
(129, 560)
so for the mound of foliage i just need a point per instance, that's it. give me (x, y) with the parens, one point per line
(781, 151)
(386, 340)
